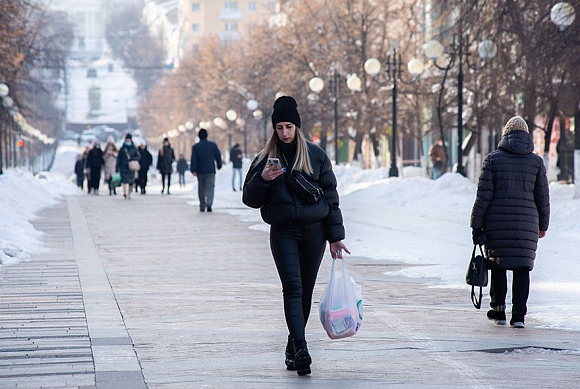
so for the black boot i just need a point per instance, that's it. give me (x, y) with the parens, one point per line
(302, 359)
(517, 320)
(290, 355)
(497, 314)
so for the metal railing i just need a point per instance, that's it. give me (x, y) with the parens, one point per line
(22, 146)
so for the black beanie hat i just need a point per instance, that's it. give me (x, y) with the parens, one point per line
(129, 136)
(165, 140)
(285, 110)
(202, 134)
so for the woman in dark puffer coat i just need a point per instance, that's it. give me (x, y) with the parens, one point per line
(300, 223)
(511, 212)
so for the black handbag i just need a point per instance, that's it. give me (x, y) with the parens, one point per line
(477, 275)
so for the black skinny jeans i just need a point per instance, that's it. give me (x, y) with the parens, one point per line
(163, 177)
(520, 289)
(297, 252)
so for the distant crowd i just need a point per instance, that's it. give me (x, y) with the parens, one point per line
(128, 167)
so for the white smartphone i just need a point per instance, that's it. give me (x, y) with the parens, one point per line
(274, 161)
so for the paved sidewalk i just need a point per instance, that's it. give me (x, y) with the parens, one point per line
(178, 299)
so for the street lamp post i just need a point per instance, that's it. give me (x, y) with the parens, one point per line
(4, 90)
(316, 85)
(434, 50)
(394, 65)
(563, 15)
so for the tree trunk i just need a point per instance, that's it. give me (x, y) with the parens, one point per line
(577, 152)
(323, 138)
(548, 135)
(358, 145)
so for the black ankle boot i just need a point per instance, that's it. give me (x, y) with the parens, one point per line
(497, 314)
(517, 320)
(302, 359)
(290, 355)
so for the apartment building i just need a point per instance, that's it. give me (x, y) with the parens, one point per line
(228, 20)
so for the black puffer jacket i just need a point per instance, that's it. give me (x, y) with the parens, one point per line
(513, 202)
(279, 205)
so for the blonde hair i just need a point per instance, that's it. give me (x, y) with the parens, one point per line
(301, 162)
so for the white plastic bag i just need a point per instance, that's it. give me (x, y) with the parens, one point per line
(340, 307)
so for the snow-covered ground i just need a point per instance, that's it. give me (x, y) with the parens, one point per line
(425, 223)
(22, 196)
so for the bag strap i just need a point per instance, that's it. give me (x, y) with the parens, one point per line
(127, 152)
(474, 300)
(480, 250)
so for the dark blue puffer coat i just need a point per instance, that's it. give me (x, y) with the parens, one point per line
(513, 202)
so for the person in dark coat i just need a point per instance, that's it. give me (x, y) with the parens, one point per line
(146, 161)
(165, 163)
(127, 153)
(236, 158)
(80, 171)
(87, 170)
(95, 164)
(181, 169)
(205, 155)
(300, 224)
(511, 212)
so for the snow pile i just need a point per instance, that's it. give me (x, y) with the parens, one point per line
(22, 196)
(66, 157)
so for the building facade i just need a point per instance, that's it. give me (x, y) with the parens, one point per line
(228, 20)
(98, 90)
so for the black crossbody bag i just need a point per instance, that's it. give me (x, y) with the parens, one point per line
(476, 275)
(307, 191)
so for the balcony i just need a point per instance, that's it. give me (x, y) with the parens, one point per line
(230, 14)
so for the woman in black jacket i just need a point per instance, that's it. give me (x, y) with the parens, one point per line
(127, 153)
(511, 212)
(165, 161)
(298, 198)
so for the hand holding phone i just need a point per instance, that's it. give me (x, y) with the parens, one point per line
(274, 161)
(273, 169)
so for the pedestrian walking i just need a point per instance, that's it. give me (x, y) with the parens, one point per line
(236, 158)
(165, 164)
(181, 169)
(205, 155)
(438, 158)
(292, 182)
(95, 164)
(110, 156)
(127, 161)
(511, 212)
(80, 171)
(145, 162)
(87, 170)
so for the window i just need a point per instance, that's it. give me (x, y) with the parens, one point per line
(195, 7)
(252, 6)
(271, 6)
(195, 27)
(231, 5)
(91, 73)
(231, 27)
